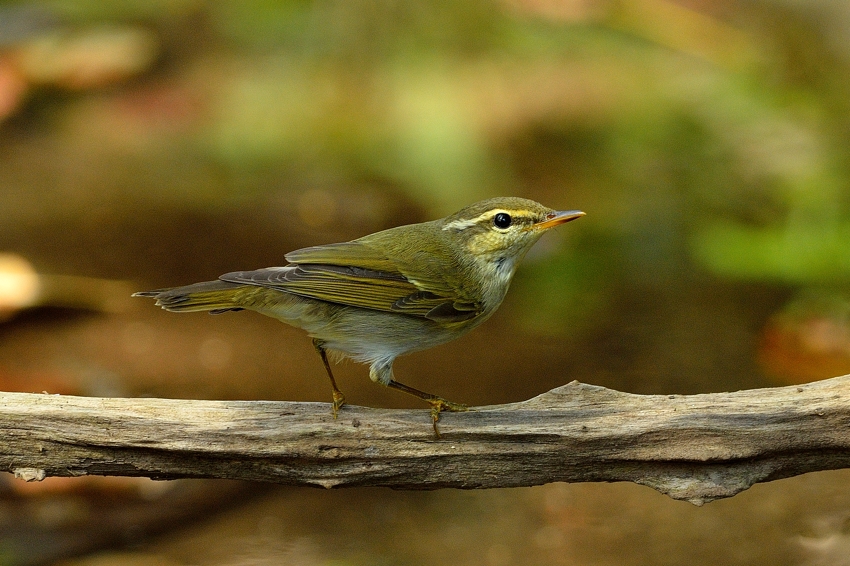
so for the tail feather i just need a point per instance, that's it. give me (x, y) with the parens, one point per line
(213, 296)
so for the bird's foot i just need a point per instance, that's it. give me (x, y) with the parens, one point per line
(438, 405)
(338, 402)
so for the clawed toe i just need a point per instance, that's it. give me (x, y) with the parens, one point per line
(438, 405)
(338, 402)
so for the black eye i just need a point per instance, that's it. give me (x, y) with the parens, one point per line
(502, 220)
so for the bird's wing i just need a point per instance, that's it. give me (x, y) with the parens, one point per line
(355, 275)
(344, 254)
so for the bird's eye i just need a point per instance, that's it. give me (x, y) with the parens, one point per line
(502, 220)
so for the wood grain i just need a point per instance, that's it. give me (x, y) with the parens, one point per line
(692, 447)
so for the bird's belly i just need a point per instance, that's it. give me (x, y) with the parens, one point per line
(362, 334)
(374, 335)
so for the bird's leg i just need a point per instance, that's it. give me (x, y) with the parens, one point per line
(438, 404)
(338, 397)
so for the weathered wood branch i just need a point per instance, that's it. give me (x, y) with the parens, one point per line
(692, 447)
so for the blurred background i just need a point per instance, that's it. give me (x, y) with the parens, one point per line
(159, 143)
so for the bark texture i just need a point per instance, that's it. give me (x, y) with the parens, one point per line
(692, 447)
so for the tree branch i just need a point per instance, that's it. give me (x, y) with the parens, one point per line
(692, 447)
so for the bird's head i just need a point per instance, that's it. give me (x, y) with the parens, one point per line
(503, 229)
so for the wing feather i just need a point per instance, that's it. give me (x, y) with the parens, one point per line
(345, 254)
(356, 287)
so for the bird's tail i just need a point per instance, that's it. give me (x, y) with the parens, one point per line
(213, 296)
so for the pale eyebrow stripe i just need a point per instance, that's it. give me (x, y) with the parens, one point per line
(464, 224)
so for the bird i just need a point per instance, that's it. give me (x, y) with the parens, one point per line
(400, 290)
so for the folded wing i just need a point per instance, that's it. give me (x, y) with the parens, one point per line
(353, 274)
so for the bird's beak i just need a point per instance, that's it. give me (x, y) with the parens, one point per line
(557, 217)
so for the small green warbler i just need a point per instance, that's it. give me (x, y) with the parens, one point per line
(396, 291)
